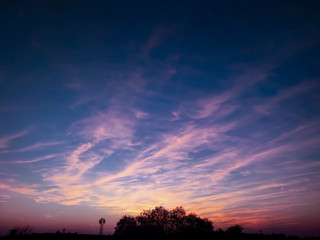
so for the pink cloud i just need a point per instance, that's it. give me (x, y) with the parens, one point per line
(158, 35)
(105, 126)
(40, 145)
(38, 159)
(4, 141)
(274, 103)
(206, 107)
(165, 172)
(140, 114)
(21, 190)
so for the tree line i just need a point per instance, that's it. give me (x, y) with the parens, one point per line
(160, 223)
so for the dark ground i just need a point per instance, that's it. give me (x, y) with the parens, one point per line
(71, 236)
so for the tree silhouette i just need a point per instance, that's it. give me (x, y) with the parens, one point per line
(160, 222)
(176, 217)
(234, 230)
(126, 226)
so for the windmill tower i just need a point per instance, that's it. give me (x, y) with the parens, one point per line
(101, 222)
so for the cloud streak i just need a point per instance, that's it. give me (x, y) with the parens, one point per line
(5, 141)
(38, 146)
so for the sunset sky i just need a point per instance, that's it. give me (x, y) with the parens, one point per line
(111, 107)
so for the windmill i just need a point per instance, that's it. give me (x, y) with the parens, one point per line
(101, 222)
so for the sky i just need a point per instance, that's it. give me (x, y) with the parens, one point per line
(111, 107)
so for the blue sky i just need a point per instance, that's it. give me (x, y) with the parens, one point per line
(109, 108)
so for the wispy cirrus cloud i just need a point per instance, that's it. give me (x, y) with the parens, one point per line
(158, 35)
(224, 123)
(207, 160)
(40, 145)
(104, 133)
(140, 114)
(33, 160)
(206, 107)
(103, 126)
(5, 140)
(297, 91)
(21, 190)
(168, 170)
